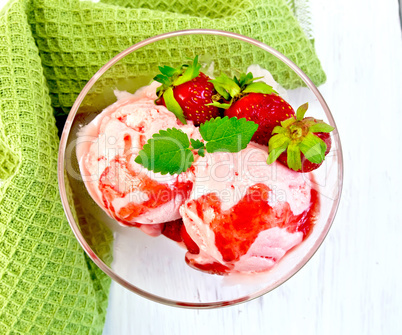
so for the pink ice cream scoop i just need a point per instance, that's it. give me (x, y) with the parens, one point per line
(244, 214)
(106, 150)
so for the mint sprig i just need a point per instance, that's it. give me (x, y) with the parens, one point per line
(171, 150)
(227, 134)
(197, 144)
(167, 152)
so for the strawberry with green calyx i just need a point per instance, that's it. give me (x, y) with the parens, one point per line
(300, 143)
(243, 97)
(186, 92)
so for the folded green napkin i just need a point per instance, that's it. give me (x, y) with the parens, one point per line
(49, 49)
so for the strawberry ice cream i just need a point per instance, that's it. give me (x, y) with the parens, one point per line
(244, 214)
(234, 212)
(106, 150)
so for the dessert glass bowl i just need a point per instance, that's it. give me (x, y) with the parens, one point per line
(154, 267)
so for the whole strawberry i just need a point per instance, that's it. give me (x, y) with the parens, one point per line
(300, 143)
(187, 93)
(255, 101)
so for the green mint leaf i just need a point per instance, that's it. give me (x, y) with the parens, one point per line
(190, 73)
(166, 152)
(301, 111)
(313, 148)
(196, 144)
(321, 127)
(173, 106)
(293, 157)
(201, 152)
(259, 87)
(227, 134)
(276, 145)
(225, 86)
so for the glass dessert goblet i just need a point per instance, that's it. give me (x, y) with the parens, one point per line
(154, 267)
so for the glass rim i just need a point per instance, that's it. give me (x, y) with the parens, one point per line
(61, 172)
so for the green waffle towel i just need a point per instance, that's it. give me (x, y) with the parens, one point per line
(49, 49)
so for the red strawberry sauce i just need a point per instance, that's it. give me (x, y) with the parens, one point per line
(129, 181)
(237, 228)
